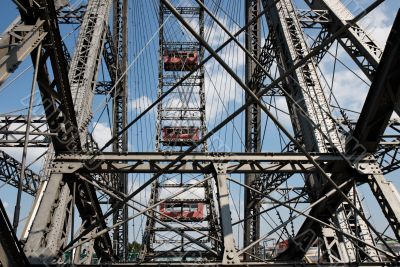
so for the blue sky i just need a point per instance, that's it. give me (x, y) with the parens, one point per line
(223, 95)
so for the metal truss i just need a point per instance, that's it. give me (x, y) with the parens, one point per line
(194, 163)
(387, 153)
(79, 174)
(381, 99)
(12, 131)
(10, 169)
(252, 122)
(307, 91)
(120, 97)
(355, 40)
(60, 106)
(181, 116)
(67, 15)
(311, 18)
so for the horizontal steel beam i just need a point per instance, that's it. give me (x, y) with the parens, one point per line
(148, 162)
(200, 156)
(217, 264)
(12, 131)
(108, 167)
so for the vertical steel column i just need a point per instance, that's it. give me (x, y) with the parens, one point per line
(230, 255)
(252, 125)
(306, 89)
(120, 180)
(49, 222)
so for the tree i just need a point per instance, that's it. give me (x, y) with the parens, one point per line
(134, 247)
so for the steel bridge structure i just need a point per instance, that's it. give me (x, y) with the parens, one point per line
(304, 203)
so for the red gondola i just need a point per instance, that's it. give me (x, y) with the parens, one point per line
(180, 135)
(182, 211)
(180, 60)
(282, 246)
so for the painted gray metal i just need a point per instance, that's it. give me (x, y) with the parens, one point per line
(43, 244)
(355, 40)
(66, 166)
(306, 89)
(16, 44)
(251, 231)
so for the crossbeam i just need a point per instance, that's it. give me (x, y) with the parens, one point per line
(151, 162)
(12, 131)
(10, 172)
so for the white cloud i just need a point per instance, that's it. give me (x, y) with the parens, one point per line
(143, 196)
(378, 25)
(192, 193)
(32, 154)
(141, 103)
(220, 87)
(349, 90)
(102, 134)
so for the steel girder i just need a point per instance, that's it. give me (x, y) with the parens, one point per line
(48, 224)
(11, 253)
(304, 84)
(167, 112)
(365, 139)
(251, 230)
(16, 44)
(317, 129)
(196, 162)
(381, 101)
(56, 94)
(120, 96)
(10, 171)
(12, 131)
(114, 54)
(84, 66)
(110, 55)
(230, 255)
(387, 153)
(355, 40)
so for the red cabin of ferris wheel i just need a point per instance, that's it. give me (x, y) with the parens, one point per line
(180, 60)
(183, 211)
(182, 136)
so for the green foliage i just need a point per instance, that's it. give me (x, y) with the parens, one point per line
(134, 247)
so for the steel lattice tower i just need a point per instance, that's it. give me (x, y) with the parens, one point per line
(183, 111)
